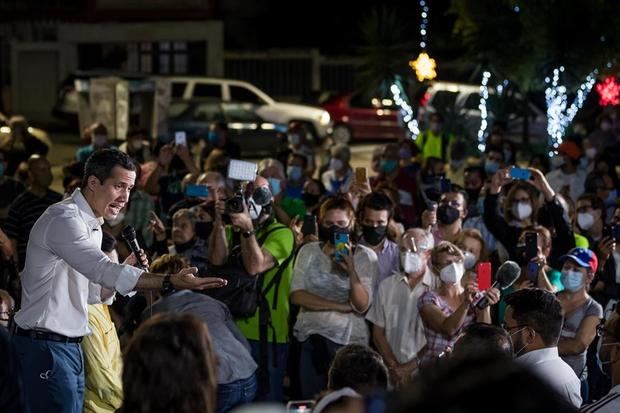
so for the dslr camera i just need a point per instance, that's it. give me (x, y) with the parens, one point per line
(241, 172)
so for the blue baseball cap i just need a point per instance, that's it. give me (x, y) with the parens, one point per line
(582, 256)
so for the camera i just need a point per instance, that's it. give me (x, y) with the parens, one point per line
(234, 205)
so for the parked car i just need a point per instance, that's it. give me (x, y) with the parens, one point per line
(229, 90)
(256, 136)
(357, 118)
(462, 102)
(197, 87)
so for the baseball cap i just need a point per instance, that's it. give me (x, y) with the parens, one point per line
(582, 256)
(571, 149)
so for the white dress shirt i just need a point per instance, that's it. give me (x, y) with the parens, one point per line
(395, 309)
(63, 257)
(608, 404)
(547, 364)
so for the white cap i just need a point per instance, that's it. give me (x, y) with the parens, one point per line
(334, 396)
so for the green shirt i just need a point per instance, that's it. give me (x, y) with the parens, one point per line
(280, 245)
(293, 207)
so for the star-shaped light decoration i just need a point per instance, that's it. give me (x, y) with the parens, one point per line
(609, 92)
(424, 67)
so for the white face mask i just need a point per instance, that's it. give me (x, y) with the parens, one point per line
(522, 210)
(591, 153)
(452, 273)
(585, 220)
(469, 261)
(411, 262)
(335, 164)
(254, 209)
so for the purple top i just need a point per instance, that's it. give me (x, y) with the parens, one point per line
(388, 260)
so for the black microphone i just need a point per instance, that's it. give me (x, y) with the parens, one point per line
(507, 274)
(129, 235)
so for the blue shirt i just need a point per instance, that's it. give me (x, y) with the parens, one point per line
(388, 260)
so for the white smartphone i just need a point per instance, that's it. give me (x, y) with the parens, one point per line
(180, 138)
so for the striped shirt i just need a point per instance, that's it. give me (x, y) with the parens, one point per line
(608, 404)
(23, 213)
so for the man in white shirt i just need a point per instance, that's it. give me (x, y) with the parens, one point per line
(534, 319)
(397, 329)
(63, 263)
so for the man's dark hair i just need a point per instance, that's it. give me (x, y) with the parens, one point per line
(358, 367)
(540, 310)
(595, 201)
(480, 339)
(477, 170)
(377, 201)
(496, 149)
(461, 384)
(101, 163)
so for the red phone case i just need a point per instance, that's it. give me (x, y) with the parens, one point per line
(484, 276)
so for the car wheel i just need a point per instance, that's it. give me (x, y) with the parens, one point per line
(342, 134)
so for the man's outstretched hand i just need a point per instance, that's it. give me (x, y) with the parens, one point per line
(186, 280)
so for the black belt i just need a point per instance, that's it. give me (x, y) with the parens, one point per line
(46, 335)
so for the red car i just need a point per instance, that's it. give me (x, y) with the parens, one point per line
(357, 118)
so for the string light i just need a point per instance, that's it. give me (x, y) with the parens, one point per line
(558, 116)
(484, 96)
(609, 92)
(424, 66)
(423, 23)
(406, 110)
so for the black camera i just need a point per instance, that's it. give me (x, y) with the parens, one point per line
(234, 205)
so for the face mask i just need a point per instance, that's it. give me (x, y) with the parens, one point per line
(117, 220)
(294, 138)
(521, 210)
(335, 164)
(328, 234)
(213, 138)
(572, 280)
(490, 167)
(275, 186)
(469, 261)
(410, 262)
(611, 198)
(100, 140)
(310, 200)
(447, 214)
(517, 353)
(591, 153)
(452, 273)
(389, 165)
(254, 209)
(557, 162)
(507, 155)
(405, 154)
(374, 235)
(136, 145)
(294, 172)
(585, 220)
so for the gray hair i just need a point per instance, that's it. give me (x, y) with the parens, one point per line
(268, 163)
(429, 240)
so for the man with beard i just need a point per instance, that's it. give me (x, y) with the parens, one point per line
(447, 220)
(534, 319)
(374, 214)
(64, 262)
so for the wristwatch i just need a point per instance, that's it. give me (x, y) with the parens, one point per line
(166, 285)
(248, 234)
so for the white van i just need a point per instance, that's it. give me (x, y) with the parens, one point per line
(228, 90)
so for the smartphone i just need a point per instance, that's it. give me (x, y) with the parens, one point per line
(361, 175)
(532, 272)
(340, 242)
(445, 185)
(612, 231)
(299, 406)
(484, 276)
(521, 174)
(531, 245)
(194, 190)
(309, 225)
(180, 138)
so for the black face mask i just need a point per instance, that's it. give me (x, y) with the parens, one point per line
(374, 235)
(310, 200)
(447, 214)
(328, 234)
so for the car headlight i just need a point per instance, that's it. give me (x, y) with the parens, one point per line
(324, 118)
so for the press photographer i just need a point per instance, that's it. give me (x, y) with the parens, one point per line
(254, 253)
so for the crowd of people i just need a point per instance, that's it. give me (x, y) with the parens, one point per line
(352, 288)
